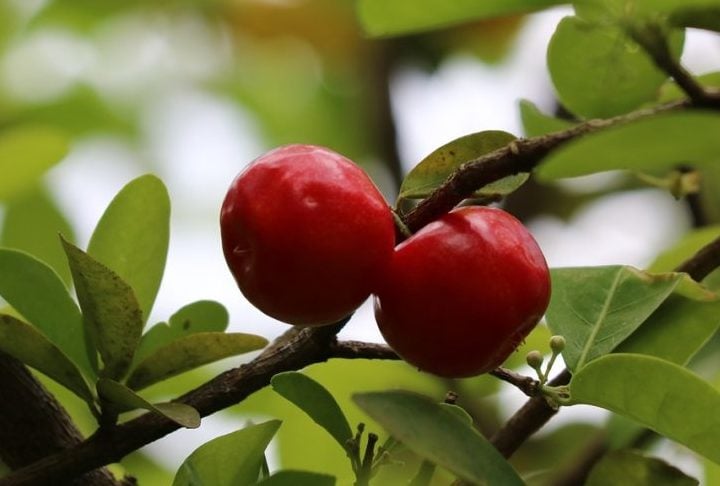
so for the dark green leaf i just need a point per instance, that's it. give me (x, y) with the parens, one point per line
(674, 402)
(618, 10)
(436, 167)
(132, 237)
(630, 468)
(26, 152)
(651, 144)
(596, 308)
(438, 435)
(35, 291)
(228, 460)
(313, 399)
(191, 351)
(537, 123)
(297, 478)
(122, 399)
(25, 343)
(111, 314)
(32, 223)
(200, 316)
(598, 71)
(393, 17)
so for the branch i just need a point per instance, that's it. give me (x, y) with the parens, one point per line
(33, 424)
(703, 262)
(362, 350)
(293, 350)
(529, 386)
(519, 156)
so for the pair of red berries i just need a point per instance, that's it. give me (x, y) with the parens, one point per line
(308, 237)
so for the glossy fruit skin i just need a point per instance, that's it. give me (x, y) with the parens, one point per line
(463, 292)
(306, 234)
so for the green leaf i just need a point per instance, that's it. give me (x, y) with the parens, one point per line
(704, 17)
(596, 308)
(598, 71)
(630, 468)
(674, 402)
(32, 223)
(188, 352)
(676, 331)
(27, 344)
(394, 17)
(313, 399)
(619, 10)
(132, 237)
(228, 460)
(111, 314)
(436, 167)
(651, 144)
(122, 399)
(297, 478)
(459, 411)
(26, 152)
(35, 291)
(688, 246)
(537, 123)
(200, 316)
(439, 435)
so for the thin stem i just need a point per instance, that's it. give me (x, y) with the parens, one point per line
(525, 384)
(653, 40)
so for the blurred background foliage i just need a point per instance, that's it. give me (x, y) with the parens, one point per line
(86, 77)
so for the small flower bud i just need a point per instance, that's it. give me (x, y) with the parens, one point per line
(557, 344)
(534, 359)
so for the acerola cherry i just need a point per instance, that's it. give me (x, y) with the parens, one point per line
(463, 292)
(306, 234)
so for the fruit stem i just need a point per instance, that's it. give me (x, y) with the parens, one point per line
(400, 224)
(557, 345)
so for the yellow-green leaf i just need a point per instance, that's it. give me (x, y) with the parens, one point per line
(660, 395)
(111, 314)
(189, 352)
(436, 167)
(124, 399)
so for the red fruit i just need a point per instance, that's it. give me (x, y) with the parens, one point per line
(463, 292)
(306, 234)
